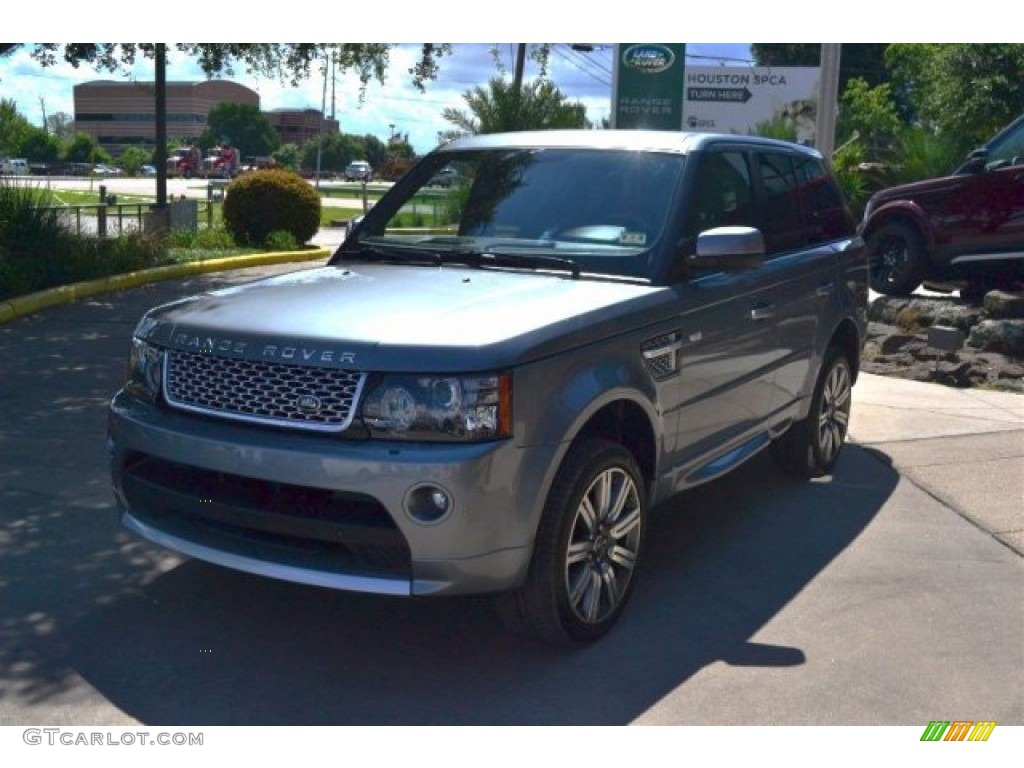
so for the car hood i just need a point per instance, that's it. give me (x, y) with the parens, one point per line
(916, 189)
(405, 318)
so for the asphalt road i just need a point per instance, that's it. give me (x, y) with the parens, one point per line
(862, 599)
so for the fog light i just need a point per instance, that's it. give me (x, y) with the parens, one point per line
(428, 503)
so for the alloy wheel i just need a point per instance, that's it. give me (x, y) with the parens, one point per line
(604, 542)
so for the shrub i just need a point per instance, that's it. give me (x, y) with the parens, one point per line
(281, 240)
(31, 241)
(213, 238)
(37, 251)
(262, 202)
(180, 237)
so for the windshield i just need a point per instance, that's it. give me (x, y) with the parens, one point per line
(602, 211)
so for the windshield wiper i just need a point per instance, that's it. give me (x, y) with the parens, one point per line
(506, 259)
(389, 254)
(466, 257)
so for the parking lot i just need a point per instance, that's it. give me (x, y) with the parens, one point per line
(888, 593)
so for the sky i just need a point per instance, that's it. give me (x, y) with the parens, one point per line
(473, 25)
(583, 77)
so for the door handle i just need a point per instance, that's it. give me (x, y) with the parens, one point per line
(762, 312)
(825, 289)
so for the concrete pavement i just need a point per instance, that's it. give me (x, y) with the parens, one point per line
(965, 447)
(887, 593)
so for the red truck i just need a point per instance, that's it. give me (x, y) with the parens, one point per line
(223, 162)
(185, 161)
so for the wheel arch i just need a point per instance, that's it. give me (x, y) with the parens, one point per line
(625, 422)
(903, 212)
(848, 338)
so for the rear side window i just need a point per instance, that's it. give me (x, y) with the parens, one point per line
(826, 216)
(802, 205)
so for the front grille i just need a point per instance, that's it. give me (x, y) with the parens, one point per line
(305, 527)
(322, 399)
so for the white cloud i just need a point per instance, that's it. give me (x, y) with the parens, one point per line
(585, 77)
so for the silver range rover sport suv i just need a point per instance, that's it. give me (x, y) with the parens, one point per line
(488, 386)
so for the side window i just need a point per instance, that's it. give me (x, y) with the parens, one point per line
(826, 215)
(723, 196)
(781, 220)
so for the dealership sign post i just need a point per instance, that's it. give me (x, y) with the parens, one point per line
(648, 86)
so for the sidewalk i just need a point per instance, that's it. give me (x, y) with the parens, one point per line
(965, 447)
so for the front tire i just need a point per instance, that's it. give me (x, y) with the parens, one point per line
(587, 548)
(898, 259)
(811, 447)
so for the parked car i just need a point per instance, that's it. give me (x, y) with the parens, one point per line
(14, 166)
(101, 169)
(359, 170)
(491, 402)
(446, 177)
(968, 227)
(147, 170)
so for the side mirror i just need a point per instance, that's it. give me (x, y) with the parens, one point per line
(976, 162)
(729, 249)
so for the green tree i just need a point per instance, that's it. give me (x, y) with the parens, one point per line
(400, 147)
(337, 151)
(14, 128)
(863, 60)
(869, 115)
(963, 92)
(133, 158)
(287, 156)
(84, 149)
(375, 152)
(242, 126)
(538, 106)
(39, 146)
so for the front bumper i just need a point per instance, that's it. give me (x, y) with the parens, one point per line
(319, 510)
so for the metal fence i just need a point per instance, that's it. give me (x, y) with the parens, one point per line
(115, 219)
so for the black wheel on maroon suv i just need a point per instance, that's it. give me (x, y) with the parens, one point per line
(897, 257)
(587, 548)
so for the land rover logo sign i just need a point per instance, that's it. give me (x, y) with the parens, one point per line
(649, 58)
(648, 86)
(308, 403)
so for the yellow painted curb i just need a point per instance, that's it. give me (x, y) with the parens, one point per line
(31, 303)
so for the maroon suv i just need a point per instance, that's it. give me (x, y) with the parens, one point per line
(968, 227)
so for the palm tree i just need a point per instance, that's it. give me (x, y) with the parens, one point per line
(539, 105)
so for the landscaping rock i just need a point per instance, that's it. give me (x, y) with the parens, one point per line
(993, 357)
(1001, 305)
(1006, 336)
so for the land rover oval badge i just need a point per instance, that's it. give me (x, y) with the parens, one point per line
(308, 403)
(649, 58)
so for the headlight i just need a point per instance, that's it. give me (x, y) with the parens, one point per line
(145, 370)
(441, 408)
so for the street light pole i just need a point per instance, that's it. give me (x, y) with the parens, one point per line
(320, 131)
(517, 80)
(160, 151)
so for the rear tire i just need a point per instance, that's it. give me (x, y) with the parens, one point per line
(587, 548)
(811, 447)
